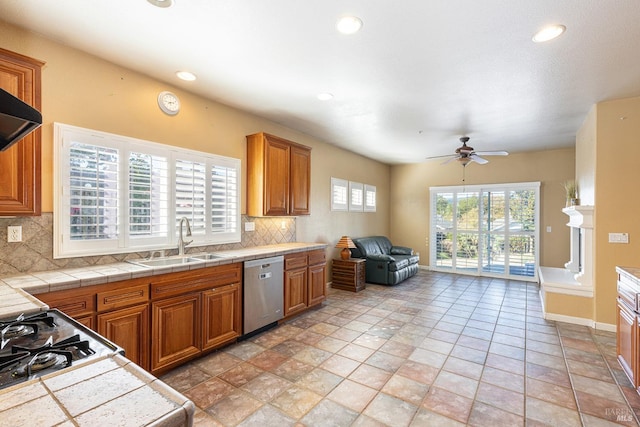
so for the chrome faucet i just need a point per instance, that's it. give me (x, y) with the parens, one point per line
(181, 242)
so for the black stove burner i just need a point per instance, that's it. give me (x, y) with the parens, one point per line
(23, 326)
(44, 360)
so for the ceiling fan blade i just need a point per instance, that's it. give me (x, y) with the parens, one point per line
(439, 157)
(478, 159)
(450, 160)
(492, 153)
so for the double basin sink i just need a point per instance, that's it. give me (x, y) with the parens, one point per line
(179, 260)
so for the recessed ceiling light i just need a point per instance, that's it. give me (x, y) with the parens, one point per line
(186, 75)
(549, 33)
(349, 24)
(161, 3)
(325, 96)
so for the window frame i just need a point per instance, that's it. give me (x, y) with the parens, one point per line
(65, 247)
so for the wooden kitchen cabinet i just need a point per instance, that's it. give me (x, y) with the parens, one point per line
(20, 165)
(627, 342)
(278, 176)
(221, 315)
(193, 312)
(317, 277)
(128, 328)
(304, 281)
(176, 330)
(119, 311)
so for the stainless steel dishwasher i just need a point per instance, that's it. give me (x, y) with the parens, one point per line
(263, 292)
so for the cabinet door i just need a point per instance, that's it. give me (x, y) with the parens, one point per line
(221, 315)
(295, 291)
(276, 181)
(300, 187)
(20, 164)
(175, 334)
(317, 283)
(128, 328)
(627, 330)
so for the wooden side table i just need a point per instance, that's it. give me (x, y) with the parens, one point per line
(348, 274)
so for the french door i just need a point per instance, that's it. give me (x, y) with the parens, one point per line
(486, 230)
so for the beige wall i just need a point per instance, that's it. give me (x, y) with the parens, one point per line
(410, 196)
(617, 204)
(82, 90)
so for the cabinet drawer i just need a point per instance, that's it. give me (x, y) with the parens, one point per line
(628, 293)
(118, 298)
(296, 260)
(72, 305)
(195, 280)
(317, 257)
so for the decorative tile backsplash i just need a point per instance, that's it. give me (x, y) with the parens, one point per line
(35, 251)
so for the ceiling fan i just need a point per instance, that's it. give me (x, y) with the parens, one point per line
(466, 154)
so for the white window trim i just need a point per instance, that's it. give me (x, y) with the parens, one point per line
(370, 189)
(339, 185)
(354, 206)
(63, 248)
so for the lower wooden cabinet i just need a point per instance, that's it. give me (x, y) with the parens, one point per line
(305, 281)
(295, 291)
(627, 342)
(176, 330)
(188, 324)
(221, 315)
(129, 328)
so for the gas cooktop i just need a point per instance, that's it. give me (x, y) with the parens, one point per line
(38, 344)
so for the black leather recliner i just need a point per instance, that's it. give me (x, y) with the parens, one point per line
(386, 264)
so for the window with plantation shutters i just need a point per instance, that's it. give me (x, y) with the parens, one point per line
(191, 186)
(118, 194)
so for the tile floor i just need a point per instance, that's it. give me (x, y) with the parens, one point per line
(436, 350)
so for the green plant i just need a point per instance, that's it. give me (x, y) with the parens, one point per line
(571, 189)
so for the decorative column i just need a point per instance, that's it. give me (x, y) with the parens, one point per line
(582, 246)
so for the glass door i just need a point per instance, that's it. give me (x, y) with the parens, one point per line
(486, 230)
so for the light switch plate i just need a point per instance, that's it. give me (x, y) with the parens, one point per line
(618, 237)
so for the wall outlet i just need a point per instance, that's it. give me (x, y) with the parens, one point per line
(14, 233)
(249, 226)
(618, 237)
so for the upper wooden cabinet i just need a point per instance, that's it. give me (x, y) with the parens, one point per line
(278, 176)
(20, 164)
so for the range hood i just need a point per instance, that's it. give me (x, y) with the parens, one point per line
(17, 119)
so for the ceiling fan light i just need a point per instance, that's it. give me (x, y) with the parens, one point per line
(549, 33)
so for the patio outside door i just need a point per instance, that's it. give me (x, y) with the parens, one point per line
(486, 230)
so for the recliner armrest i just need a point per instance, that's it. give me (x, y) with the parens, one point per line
(401, 250)
(381, 257)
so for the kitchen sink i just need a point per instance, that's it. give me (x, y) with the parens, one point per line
(207, 257)
(163, 262)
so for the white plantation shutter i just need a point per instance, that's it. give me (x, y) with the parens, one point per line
(148, 195)
(118, 194)
(190, 194)
(93, 187)
(224, 199)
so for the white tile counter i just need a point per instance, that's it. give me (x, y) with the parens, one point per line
(107, 392)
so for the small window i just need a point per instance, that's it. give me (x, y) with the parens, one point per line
(339, 194)
(119, 194)
(356, 193)
(369, 198)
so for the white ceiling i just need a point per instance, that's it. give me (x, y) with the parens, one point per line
(416, 77)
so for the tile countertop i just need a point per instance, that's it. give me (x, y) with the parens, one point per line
(632, 273)
(110, 391)
(48, 281)
(111, 388)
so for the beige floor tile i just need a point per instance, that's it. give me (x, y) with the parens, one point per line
(296, 401)
(370, 376)
(352, 395)
(405, 389)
